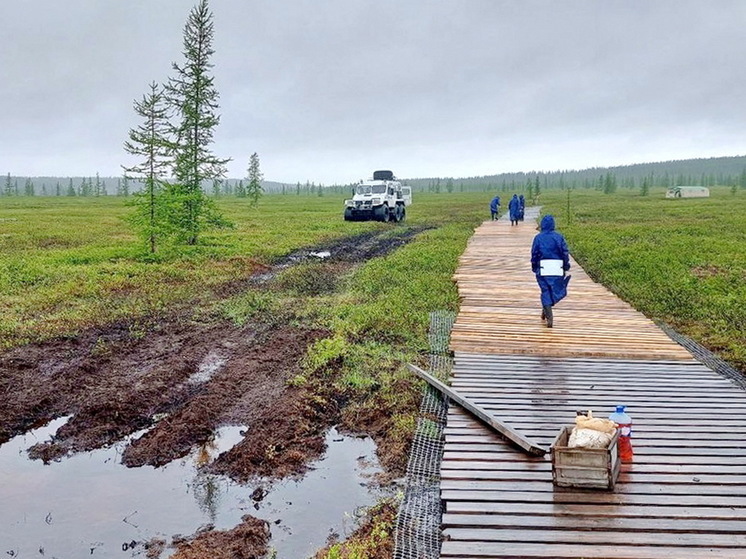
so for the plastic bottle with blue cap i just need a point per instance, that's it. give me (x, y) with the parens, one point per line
(624, 422)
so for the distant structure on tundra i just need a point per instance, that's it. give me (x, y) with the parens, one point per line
(688, 192)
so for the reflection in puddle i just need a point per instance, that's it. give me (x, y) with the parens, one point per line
(89, 504)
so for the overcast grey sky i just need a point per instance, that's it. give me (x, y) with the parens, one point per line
(328, 91)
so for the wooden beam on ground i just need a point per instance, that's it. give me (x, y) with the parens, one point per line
(480, 413)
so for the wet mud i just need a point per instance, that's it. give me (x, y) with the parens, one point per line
(179, 380)
(115, 387)
(248, 540)
(166, 385)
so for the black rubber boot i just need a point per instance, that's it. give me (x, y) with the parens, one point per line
(547, 313)
(543, 313)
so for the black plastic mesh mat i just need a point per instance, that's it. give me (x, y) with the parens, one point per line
(706, 357)
(418, 521)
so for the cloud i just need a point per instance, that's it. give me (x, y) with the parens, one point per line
(327, 91)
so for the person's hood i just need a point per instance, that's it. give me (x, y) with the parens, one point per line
(515, 195)
(547, 223)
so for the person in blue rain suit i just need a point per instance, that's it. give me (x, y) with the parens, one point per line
(515, 209)
(550, 261)
(522, 200)
(495, 207)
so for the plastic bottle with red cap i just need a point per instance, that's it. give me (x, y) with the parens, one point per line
(624, 421)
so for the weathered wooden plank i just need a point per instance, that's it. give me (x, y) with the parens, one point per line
(514, 492)
(488, 419)
(737, 467)
(532, 485)
(641, 450)
(526, 550)
(705, 441)
(590, 522)
(603, 537)
(594, 510)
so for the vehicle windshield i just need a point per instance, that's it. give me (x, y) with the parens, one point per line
(368, 189)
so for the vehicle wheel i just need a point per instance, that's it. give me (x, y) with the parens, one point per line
(348, 215)
(397, 213)
(403, 214)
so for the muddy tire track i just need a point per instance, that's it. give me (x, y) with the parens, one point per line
(121, 379)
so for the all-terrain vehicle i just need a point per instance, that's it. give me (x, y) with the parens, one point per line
(382, 198)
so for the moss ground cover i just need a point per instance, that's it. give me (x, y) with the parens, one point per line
(69, 263)
(682, 261)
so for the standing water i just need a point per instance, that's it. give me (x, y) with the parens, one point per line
(91, 505)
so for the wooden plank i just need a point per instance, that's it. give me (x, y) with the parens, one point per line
(597, 537)
(487, 418)
(527, 550)
(591, 522)
(513, 493)
(595, 510)
(536, 484)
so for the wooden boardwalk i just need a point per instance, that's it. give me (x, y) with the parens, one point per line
(683, 497)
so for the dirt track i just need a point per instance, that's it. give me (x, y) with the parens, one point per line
(169, 387)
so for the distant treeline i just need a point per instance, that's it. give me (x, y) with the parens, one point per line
(123, 186)
(723, 171)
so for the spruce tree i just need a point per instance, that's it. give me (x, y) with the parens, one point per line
(100, 188)
(149, 142)
(71, 188)
(240, 190)
(8, 186)
(254, 187)
(194, 99)
(28, 187)
(85, 187)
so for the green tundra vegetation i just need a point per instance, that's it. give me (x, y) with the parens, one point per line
(71, 263)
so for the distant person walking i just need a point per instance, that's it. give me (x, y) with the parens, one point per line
(515, 209)
(550, 261)
(495, 207)
(522, 200)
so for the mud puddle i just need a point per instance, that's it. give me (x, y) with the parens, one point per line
(358, 248)
(91, 505)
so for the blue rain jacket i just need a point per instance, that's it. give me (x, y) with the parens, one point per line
(550, 245)
(495, 204)
(515, 208)
(522, 200)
